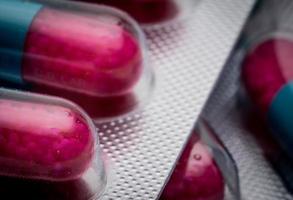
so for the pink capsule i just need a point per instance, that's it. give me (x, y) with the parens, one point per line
(71, 46)
(196, 176)
(266, 68)
(267, 75)
(63, 48)
(145, 11)
(80, 53)
(41, 140)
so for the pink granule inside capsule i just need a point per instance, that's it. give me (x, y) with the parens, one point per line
(266, 69)
(82, 53)
(43, 141)
(196, 176)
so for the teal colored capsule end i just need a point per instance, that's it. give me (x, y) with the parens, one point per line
(281, 117)
(15, 19)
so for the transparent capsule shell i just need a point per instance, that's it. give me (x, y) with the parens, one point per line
(50, 141)
(75, 50)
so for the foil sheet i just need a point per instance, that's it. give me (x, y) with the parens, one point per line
(188, 55)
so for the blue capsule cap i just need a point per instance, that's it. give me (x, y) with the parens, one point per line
(15, 20)
(280, 117)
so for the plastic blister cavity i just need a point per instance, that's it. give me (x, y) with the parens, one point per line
(203, 170)
(72, 49)
(47, 139)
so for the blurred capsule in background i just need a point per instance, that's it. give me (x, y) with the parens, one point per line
(77, 48)
(145, 11)
(267, 75)
(196, 175)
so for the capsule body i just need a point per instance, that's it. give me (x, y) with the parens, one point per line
(196, 175)
(145, 11)
(267, 74)
(43, 138)
(72, 50)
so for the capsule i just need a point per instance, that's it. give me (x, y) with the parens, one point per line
(267, 75)
(44, 138)
(145, 11)
(196, 175)
(68, 46)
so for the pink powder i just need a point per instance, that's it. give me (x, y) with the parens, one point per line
(145, 11)
(266, 69)
(196, 176)
(81, 54)
(43, 141)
